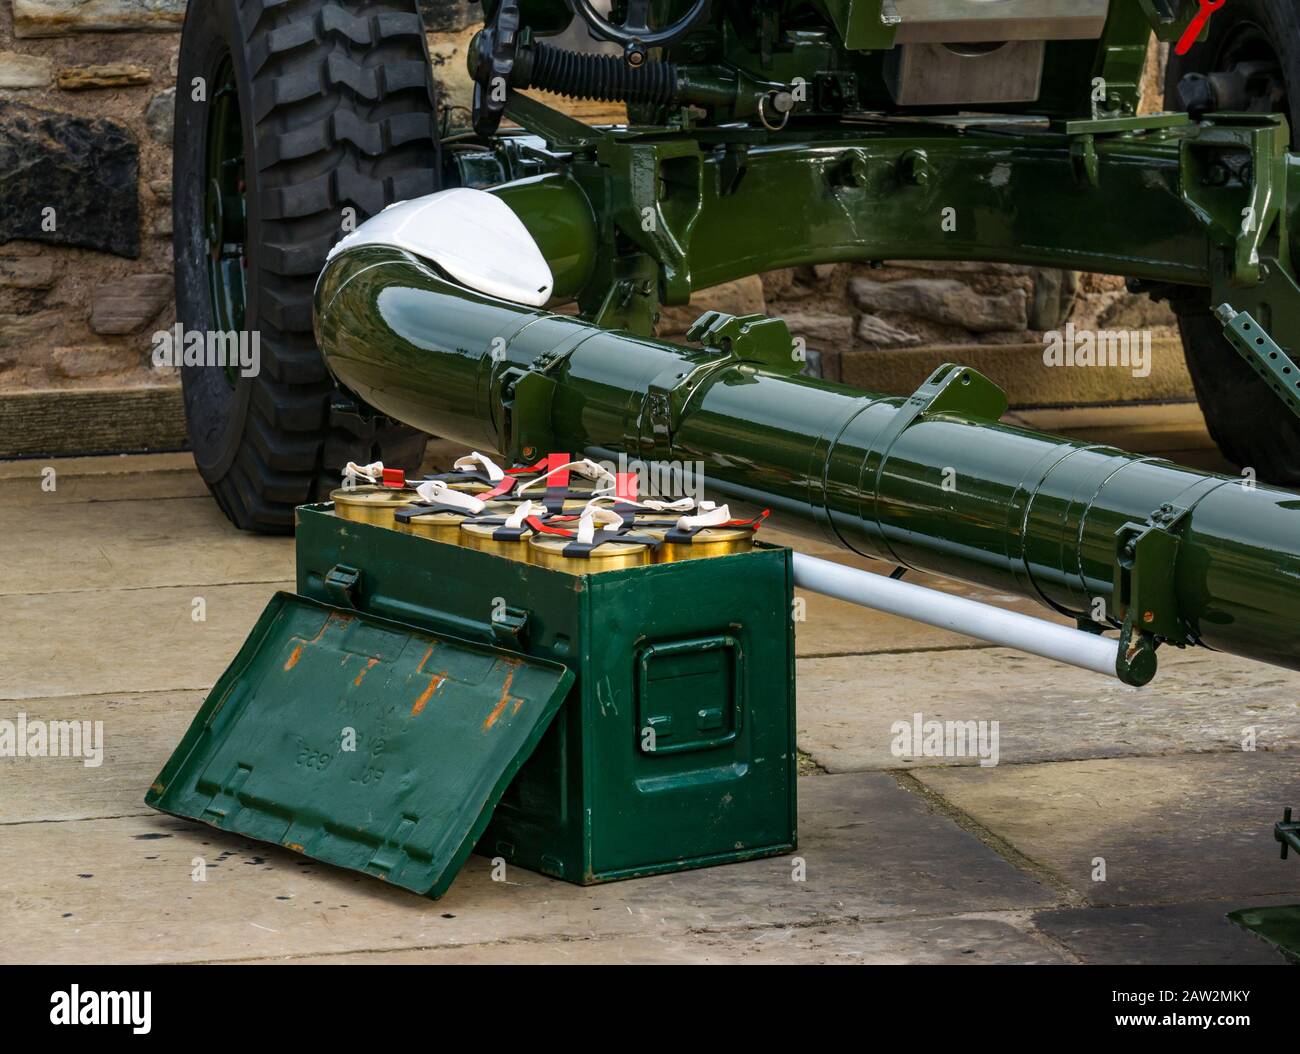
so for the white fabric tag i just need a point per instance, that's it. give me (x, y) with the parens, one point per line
(371, 473)
(523, 511)
(605, 480)
(591, 515)
(436, 492)
(710, 515)
(495, 472)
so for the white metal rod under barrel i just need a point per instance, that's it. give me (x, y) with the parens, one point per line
(1088, 651)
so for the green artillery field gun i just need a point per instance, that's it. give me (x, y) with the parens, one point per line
(602, 722)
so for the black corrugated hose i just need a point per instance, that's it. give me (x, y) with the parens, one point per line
(605, 78)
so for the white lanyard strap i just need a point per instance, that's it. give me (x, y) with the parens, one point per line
(591, 515)
(495, 473)
(710, 515)
(436, 492)
(652, 504)
(372, 473)
(605, 480)
(523, 511)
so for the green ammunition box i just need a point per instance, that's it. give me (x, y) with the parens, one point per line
(589, 726)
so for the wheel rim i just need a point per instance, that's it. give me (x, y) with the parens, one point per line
(225, 212)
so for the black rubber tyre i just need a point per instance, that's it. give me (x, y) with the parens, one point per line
(337, 110)
(1249, 423)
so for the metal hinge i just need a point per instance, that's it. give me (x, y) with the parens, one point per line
(1145, 591)
(510, 626)
(343, 583)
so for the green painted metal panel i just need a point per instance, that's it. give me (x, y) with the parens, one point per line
(706, 644)
(438, 728)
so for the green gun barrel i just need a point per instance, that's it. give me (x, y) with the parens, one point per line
(933, 482)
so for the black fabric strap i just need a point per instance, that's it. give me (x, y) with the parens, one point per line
(582, 549)
(407, 514)
(461, 477)
(502, 532)
(682, 536)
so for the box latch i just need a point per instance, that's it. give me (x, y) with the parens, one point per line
(690, 694)
(342, 584)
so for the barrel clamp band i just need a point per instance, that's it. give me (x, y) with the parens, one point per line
(524, 394)
(726, 340)
(951, 388)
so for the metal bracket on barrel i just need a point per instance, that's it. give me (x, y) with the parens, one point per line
(727, 340)
(1144, 595)
(759, 339)
(631, 303)
(950, 389)
(524, 394)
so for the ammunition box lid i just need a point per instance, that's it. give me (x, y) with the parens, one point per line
(361, 742)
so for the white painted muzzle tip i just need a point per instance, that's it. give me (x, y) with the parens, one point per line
(472, 235)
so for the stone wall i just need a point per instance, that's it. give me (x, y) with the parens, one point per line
(86, 94)
(85, 189)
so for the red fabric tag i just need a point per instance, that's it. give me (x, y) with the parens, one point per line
(561, 479)
(542, 528)
(626, 485)
(530, 470)
(505, 486)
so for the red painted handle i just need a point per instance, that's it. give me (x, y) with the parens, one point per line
(1197, 25)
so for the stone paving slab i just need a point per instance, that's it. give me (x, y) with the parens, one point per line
(131, 544)
(121, 889)
(124, 640)
(1170, 830)
(948, 941)
(139, 733)
(1165, 935)
(1200, 701)
(76, 480)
